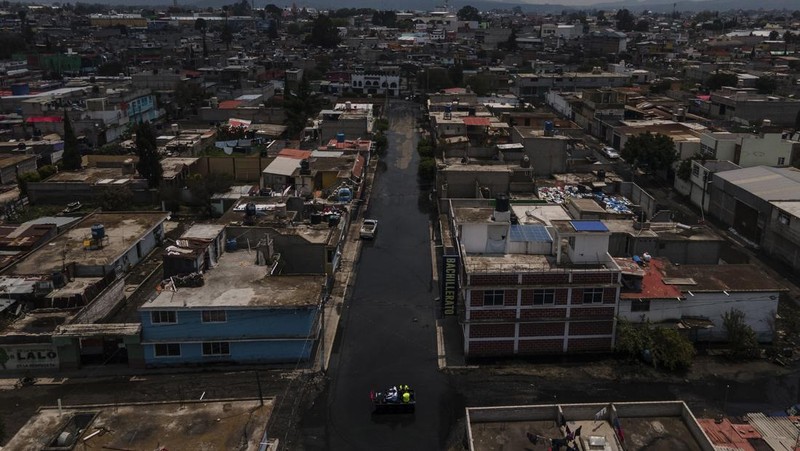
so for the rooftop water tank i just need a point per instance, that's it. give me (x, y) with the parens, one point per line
(20, 89)
(98, 232)
(340, 137)
(501, 202)
(250, 209)
(316, 218)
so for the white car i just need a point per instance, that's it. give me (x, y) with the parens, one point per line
(610, 152)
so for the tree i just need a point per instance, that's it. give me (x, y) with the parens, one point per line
(72, 155)
(384, 18)
(323, 33)
(435, 78)
(773, 35)
(203, 188)
(510, 44)
(115, 198)
(766, 85)
(149, 165)
(25, 178)
(299, 106)
(720, 79)
(649, 151)
(469, 13)
(671, 350)
(202, 26)
(625, 20)
(741, 337)
(46, 171)
(643, 26)
(111, 69)
(226, 36)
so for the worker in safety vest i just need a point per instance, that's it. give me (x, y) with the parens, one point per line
(406, 397)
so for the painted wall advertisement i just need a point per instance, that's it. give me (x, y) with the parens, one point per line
(28, 357)
(449, 283)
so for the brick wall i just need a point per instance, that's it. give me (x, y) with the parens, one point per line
(492, 314)
(541, 329)
(490, 348)
(592, 311)
(589, 344)
(545, 279)
(593, 277)
(476, 298)
(561, 296)
(493, 279)
(536, 313)
(498, 330)
(532, 347)
(591, 328)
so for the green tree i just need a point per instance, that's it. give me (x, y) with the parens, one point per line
(509, 44)
(649, 151)
(632, 339)
(625, 20)
(111, 69)
(226, 36)
(469, 12)
(671, 350)
(46, 171)
(741, 337)
(25, 178)
(202, 26)
(766, 85)
(72, 155)
(203, 188)
(115, 198)
(719, 79)
(480, 84)
(773, 35)
(435, 78)
(426, 171)
(323, 33)
(384, 18)
(149, 165)
(299, 106)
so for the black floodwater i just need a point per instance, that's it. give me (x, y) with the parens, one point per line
(387, 333)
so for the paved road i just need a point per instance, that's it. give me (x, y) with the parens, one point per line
(387, 333)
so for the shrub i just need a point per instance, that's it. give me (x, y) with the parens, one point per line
(426, 170)
(741, 337)
(25, 178)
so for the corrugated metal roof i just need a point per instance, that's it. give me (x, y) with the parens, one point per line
(282, 166)
(765, 182)
(779, 432)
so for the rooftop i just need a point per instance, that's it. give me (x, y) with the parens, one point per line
(123, 230)
(197, 425)
(654, 426)
(524, 263)
(765, 182)
(238, 282)
(91, 175)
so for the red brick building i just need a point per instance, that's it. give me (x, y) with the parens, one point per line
(531, 289)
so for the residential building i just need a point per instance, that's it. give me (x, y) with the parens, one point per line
(530, 289)
(380, 81)
(694, 298)
(697, 188)
(532, 86)
(355, 120)
(782, 234)
(241, 314)
(547, 151)
(749, 108)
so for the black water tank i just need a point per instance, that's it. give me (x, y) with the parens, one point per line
(305, 167)
(333, 220)
(316, 218)
(250, 209)
(601, 175)
(501, 202)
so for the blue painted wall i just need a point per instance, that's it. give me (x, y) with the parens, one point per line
(277, 351)
(277, 335)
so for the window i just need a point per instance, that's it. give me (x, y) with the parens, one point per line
(168, 350)
(214, 316)
(781, 161)
(493, 297)
(545, 296)
(163, 317)
(784, 218)
(593, 296)
(695, 170)
(216, 348)
(640, 305)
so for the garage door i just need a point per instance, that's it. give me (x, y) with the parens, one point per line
(745, 221)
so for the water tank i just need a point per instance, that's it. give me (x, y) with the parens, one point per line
(448, 108)
(345, 195)
(348, 105)
(471, 112)
(231, 245)
(214, 102)
(250, 210)
(98, 232)
(58, 279)
(340, 137)
(501, 202)
(601, 175)
(20, 89)
(316, 218)
(549, 127)
(766, 123)
(305, 167)
(525, 163)
(333, 220)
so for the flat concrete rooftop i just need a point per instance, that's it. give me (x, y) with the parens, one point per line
(523, 263)
(190, 425)
(238, 282)
(122, 229)
(90, 175)
(651, 426)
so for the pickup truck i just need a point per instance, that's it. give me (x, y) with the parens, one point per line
(368, 229)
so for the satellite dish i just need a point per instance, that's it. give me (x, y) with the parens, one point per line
(228, 150)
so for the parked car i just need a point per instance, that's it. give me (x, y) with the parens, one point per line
(610, 152)
(368, 229)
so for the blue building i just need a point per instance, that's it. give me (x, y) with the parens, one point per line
(241, 314)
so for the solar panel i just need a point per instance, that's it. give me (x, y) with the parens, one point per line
(589, 226)
(530, 232)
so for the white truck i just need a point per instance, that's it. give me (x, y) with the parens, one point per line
(368, 229)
